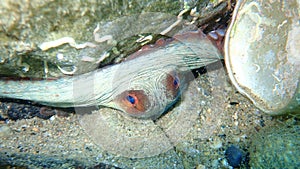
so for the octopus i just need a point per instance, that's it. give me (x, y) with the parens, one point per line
(144, 86)
(144, 102)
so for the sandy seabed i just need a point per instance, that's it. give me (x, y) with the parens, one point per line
(223, 118)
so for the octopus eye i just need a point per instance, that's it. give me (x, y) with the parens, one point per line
(134, 102)
(176, 82)
(131, 99)
(173, 84)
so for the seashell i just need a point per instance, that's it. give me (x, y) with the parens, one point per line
(262, 49)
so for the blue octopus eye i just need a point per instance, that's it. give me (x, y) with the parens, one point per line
(176, 82)
(131, 99)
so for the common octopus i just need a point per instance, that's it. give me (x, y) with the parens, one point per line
(144, 86)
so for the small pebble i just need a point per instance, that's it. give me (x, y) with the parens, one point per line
(60, 56)
(234, 156)
(4, 131)
(215, 163)
(216, 144)
(200, 166)
(52, 118)
(35, 129)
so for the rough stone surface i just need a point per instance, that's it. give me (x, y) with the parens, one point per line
(276, 147)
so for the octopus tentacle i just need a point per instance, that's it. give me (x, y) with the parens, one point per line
(143, 86)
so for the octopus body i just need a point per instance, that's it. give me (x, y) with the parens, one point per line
(143, 86)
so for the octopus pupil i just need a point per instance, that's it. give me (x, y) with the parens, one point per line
(175, 82)
(130, 99)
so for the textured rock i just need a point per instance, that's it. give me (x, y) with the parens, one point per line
(234, 156)
(276, 147)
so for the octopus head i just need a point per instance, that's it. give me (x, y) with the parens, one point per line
(149, 97)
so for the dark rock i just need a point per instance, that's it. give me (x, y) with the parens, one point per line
(234, 156)
(22, 109)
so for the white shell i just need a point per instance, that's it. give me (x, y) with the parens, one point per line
(262, 54)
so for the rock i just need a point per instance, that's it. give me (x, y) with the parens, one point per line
(4, 131)
(276, 147)
(234, 156)
(216, 144)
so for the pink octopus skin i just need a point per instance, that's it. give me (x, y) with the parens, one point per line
(143, 86)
